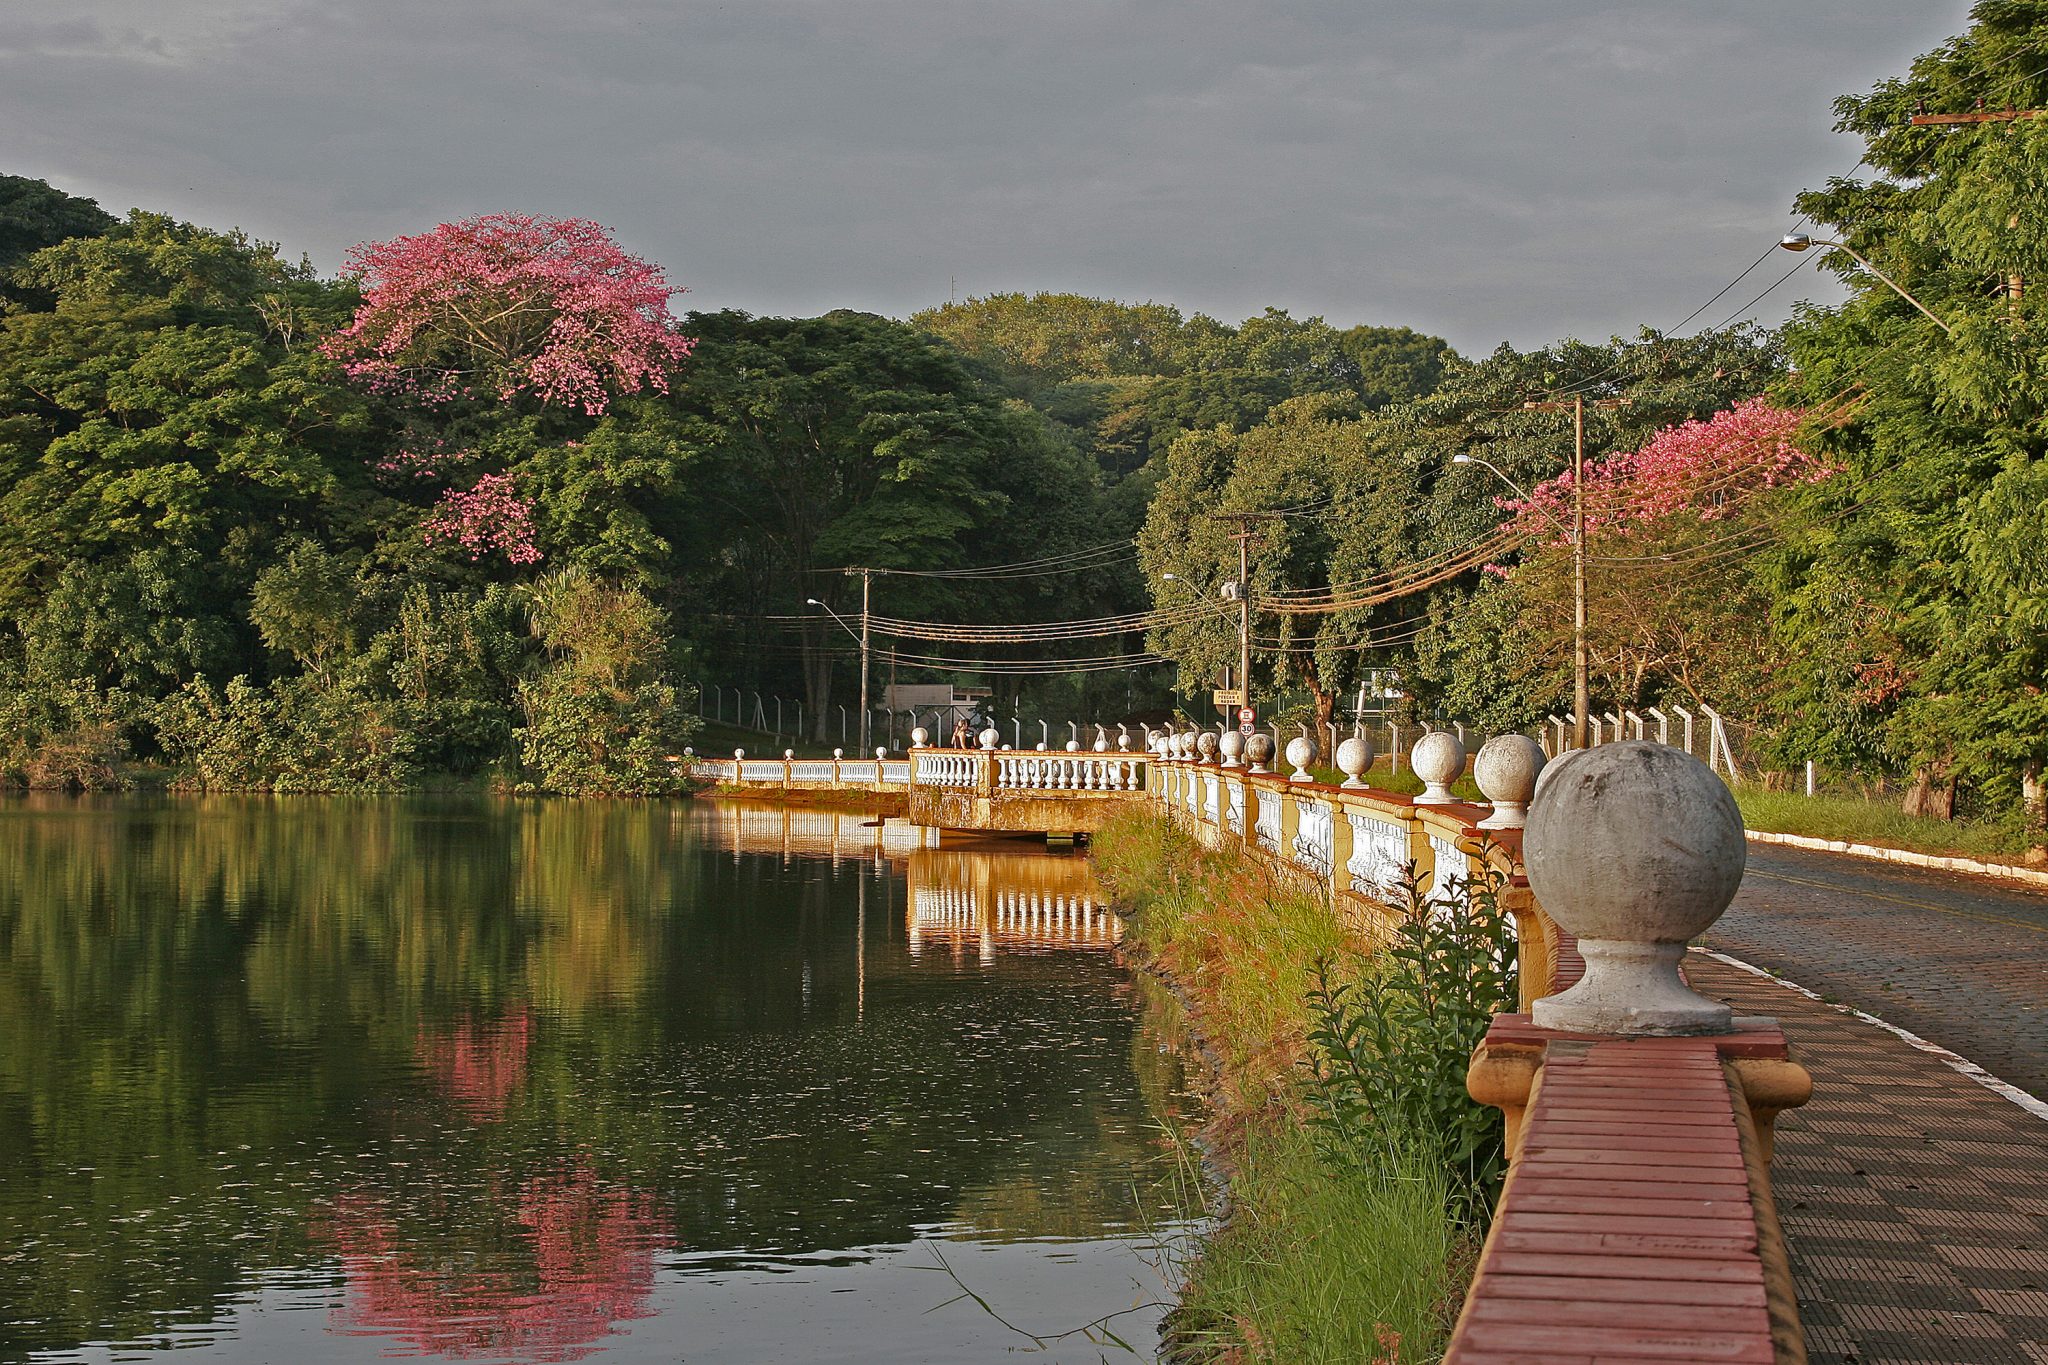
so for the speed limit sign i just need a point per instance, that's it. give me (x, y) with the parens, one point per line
(1247, 719)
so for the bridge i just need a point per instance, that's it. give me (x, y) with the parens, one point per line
(1639, 1220)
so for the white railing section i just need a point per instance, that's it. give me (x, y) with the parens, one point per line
(1379, 851)
(760, 770)
(1068, 772)
(947, 770)
(1268, 824)
(897, 771)
(811, 770)
(1212, 791)
(717, 769)
(1236, 823)
(1315, 836)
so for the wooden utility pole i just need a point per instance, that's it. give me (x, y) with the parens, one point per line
(1243, 536)
(1582, 659)
(866, 718)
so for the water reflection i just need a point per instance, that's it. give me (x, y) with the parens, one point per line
(333, 1079)
(996, 899)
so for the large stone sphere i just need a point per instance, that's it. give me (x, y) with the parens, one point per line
(991, 737)
(1258, 751)
(1506, 770)
(1301, 751)
(1205, 746)
(1439, 760)
(1354, 758)
(1633, 840)
(1231, 746)
(920, 737)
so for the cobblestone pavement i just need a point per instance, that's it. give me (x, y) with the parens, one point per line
(1915, 1201)
(1962, 961)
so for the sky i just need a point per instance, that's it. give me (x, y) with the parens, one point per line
(1485, 170)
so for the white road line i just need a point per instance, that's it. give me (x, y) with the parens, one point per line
(1963, 1065)
(1906, 857)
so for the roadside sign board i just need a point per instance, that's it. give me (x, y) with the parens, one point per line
(1227, 696)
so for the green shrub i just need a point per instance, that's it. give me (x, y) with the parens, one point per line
(1390, 1050)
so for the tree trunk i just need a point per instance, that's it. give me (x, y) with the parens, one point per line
(1933, 793)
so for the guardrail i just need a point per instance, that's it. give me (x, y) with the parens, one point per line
(804, 774)
(1637, 1220)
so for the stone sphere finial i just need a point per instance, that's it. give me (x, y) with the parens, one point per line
(881, 752)
(788, 754)
(1439, 760)
(1635, 848)
(689, 751)
(738, 754)
(1073, 746)
(1506, 771)
(838, 754)
(919, 737)
(1231, 745)
(1123, 737)
(990, 738)
(1354, 759)
(1205, 747)
(1101, 740)
(1258, 752)
(1040, 747)
(1301, 751)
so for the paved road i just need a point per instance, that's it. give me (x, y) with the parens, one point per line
(1961, 961)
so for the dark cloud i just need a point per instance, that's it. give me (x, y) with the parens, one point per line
(1486, 169)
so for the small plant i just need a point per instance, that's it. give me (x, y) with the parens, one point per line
(1388, 1053)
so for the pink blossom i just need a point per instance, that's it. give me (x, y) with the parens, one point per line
(505, 305)
(1707, 469)
(488, 517)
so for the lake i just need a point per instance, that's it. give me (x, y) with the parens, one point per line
(332, 1079)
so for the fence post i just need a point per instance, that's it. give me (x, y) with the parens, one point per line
(1685, 716)
(1809, 777)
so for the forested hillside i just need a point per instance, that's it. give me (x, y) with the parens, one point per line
(491, 505)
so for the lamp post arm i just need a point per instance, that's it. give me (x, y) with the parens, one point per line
(1890, 283)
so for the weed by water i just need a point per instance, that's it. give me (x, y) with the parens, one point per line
(1389, 1049)
(1324, 1261)
(1244, 946)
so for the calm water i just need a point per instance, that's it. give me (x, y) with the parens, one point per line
(332, 1080)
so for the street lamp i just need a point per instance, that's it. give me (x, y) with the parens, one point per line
(1234, 591)
(1799, 241)
(1582, 656)
(860, 638)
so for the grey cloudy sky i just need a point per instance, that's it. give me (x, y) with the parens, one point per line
(1489, 170)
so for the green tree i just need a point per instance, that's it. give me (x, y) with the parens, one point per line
(1913, 598)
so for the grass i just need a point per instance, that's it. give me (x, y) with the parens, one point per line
(1322, 1264)
(1241, 945)
(1861, 821)
(1326, 1256)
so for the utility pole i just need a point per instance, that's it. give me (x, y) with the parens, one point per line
(1582, 659)
(866, 717)
(1243, 536)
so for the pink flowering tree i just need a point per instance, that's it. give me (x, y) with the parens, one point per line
(509, 306)
(1673, 528)
(1707, 470)
(488, 517)
(490, 335)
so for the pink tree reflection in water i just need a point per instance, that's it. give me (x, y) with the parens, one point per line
(577, 1258)
(478, 1065)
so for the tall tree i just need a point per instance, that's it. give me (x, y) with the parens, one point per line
(1914, 600)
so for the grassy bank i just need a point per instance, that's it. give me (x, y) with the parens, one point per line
(1861, 821)
(1345, 1240)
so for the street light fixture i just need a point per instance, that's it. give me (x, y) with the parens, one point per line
(860, 638)
(1799, 241)
(1575, 534)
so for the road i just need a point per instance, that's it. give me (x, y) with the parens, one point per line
(1961, 961)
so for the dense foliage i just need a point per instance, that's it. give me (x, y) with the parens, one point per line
(237, 498)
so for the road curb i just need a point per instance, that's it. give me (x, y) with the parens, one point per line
(1953, 1061)
(1974, 866)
